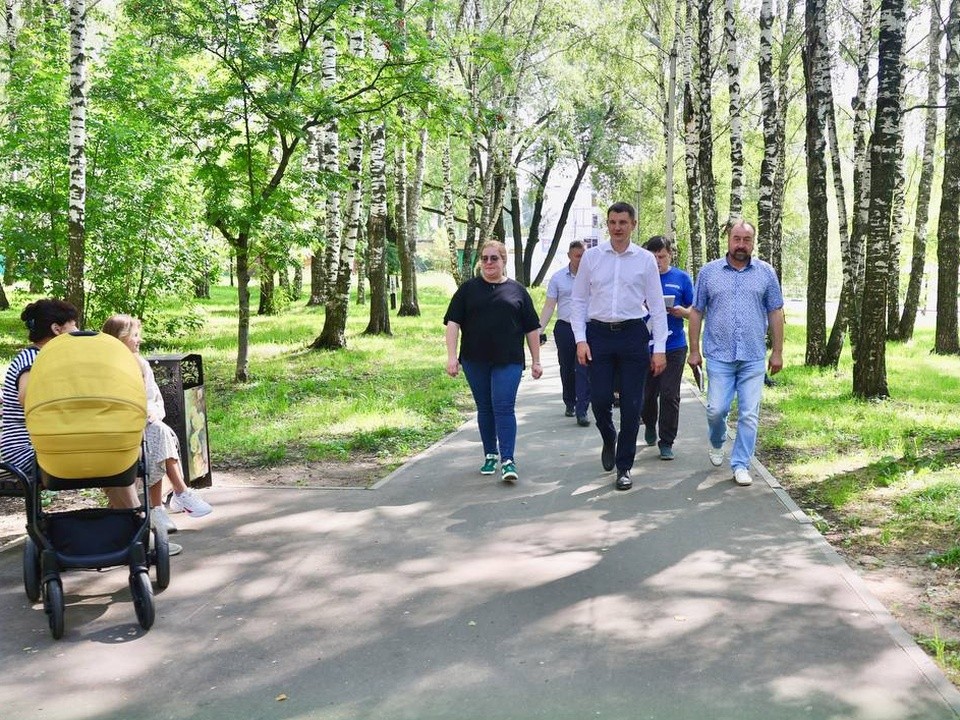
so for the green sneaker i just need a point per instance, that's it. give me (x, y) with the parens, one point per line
(509, 471)
(650, 435)
(489, 465)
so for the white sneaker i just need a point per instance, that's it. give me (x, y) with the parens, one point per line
(159, 519)
(742, 477)
(172, 503)
(192, 504)
(716, 456)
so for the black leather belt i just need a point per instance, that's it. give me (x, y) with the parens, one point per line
(616, 326)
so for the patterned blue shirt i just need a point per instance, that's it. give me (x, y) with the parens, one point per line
(560, 288)
(734, 305)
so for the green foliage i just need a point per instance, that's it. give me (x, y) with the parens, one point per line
(382, 397)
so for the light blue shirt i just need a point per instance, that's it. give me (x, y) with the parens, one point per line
(612, 287)
(560, 288)
(734, 305)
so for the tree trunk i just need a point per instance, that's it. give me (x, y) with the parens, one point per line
(788, 45)
(869, 357)
(242, 247)
(330, 165)
(911, 299)
(562, 221)
(379, 323)
(521, 273)
(851, 250)
(409, 299)
(691, 131)
(268, 300)
(10, 44)
(333, 336)
(708, 186)
(831, 357)
(536, 215)
(897, 208)
(736, 125)
(768, 104)
(78, 157)
(814, 79)
(948, 247)
(448, 218)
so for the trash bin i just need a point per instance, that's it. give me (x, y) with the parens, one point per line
(180, 378)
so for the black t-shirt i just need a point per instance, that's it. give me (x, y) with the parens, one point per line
(493, 319)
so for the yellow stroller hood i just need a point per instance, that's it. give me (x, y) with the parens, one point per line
(85, 406)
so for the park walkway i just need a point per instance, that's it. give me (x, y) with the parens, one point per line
(444, 594)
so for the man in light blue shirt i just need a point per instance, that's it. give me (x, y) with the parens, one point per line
(573, 375)
(739, 297)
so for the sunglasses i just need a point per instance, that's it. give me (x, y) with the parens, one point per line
(489, 258)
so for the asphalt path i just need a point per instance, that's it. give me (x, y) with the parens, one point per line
(441, 593)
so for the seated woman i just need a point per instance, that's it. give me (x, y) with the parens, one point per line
(45, 319)
(163, 449)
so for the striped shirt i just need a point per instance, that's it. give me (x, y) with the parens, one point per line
(735, 305)
(15, 446)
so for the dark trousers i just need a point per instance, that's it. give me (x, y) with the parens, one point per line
(661, 398)
(624, 350)
(573, 376)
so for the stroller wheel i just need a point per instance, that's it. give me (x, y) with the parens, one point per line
(31, 570)
(53, 605)
(142, 594)
(161, 558)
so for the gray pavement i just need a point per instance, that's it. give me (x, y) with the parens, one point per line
(444, 594)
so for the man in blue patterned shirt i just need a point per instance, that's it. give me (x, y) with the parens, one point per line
(739, 297)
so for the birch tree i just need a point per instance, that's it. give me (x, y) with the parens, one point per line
(11, 27)
(788, 44)
(869, 356)
(379, 322)
(736, 125)
(691, 145)
(852, 262)
(333, 336)
(330, 166)
(948, 246)
(708, 187)
(77, 156)
(814, 60)
(911, 298)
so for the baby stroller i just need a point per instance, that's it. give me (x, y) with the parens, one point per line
(85, 410)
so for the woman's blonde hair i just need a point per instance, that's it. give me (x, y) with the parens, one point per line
(120, 326)
(501, 251)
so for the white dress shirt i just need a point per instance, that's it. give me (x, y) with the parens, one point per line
(612, 287)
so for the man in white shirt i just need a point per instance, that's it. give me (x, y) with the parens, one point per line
(573, 375)
(617, 285)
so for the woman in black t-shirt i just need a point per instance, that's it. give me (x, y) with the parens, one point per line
(493, 313)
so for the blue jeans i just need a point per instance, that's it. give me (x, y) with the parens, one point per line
(745, 380)
(494, 389)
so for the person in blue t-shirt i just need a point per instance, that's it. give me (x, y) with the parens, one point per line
(661, 393)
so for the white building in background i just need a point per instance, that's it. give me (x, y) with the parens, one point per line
(583, 222)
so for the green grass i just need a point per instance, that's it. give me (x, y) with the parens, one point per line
(885, 472)
(383, 397)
